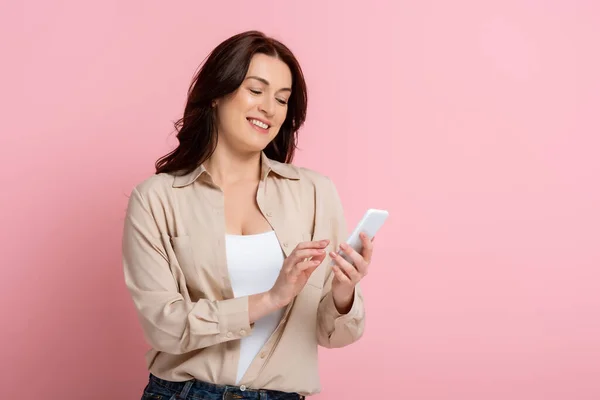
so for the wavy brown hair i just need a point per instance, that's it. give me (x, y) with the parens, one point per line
(222, 73)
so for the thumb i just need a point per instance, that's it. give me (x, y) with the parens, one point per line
(319, 258)
(307, 273)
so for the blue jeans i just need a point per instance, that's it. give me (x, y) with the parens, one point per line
(159, 389)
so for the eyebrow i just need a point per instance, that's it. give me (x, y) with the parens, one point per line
(266, 82)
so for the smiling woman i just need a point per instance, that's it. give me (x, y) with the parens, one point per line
(228, 248)
(252, 116)
(243, 73)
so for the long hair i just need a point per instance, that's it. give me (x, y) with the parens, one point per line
(222, 73)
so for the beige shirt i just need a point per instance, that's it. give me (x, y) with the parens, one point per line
(175, 269)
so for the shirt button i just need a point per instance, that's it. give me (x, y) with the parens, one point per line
(242, 332)
(269, 214)
(229, 334)
(285, 244)
(263, 354)
(243, 388)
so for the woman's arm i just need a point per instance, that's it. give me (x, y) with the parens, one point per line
(171, 323)
(340, 325)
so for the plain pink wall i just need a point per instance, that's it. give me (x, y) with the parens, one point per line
(476, 123)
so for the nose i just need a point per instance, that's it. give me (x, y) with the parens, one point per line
(267, 106)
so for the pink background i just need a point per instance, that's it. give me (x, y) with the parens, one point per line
(476, 123)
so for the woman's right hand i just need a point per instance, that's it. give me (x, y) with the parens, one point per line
(296, 270)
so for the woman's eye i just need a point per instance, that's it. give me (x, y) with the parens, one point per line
(255, 91)
(282, 101)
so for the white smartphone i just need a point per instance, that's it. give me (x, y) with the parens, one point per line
(370, 223)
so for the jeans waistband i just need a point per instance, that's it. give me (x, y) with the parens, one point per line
(227, 392)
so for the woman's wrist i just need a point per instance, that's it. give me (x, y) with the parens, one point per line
(274, 301)
(343, 302)
(261, 304)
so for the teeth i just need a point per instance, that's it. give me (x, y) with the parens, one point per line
(259, 124)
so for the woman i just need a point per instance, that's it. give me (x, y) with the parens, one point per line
(228, 248)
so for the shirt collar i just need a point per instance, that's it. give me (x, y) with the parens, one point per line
(267, 165)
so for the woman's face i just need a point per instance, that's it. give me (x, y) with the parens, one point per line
(249, 118)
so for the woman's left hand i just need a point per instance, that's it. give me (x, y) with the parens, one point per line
(346, 275)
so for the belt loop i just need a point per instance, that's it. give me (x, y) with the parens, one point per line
(186, 389)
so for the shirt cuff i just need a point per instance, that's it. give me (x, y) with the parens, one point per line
(232, 317)
(234, 320)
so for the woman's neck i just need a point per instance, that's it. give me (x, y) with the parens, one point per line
(227, 167)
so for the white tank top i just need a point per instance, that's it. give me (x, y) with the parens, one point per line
(254, 262)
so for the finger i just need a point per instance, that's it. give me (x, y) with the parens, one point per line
(359, 263)
(315, 244)
(367, 251)
(340, 275)
(299, 255)
(348, 269)
(319, 257)
(303, 249)
(305, 266)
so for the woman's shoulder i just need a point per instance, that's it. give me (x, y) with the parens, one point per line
(325, 191)
(160, 186)
(154, 187)
(306, 175)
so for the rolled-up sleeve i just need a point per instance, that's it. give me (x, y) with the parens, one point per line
(335, 329)
(338, 330)
(171, 323)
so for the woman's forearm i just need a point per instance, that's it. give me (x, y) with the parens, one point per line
(260, 305)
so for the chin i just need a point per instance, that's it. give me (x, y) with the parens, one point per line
(253, 147)
(259, 143)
